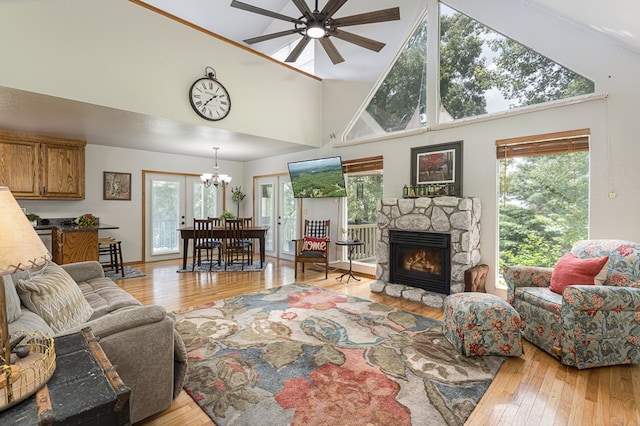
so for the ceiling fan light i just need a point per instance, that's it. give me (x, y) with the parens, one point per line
(315, 29)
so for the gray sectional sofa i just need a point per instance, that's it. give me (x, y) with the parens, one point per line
(140, 341)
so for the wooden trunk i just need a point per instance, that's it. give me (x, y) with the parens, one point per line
(85, 389)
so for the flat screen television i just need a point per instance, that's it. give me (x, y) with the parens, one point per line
(317, 178)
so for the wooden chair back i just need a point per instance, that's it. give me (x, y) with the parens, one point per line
(236, 247)
(203, 241)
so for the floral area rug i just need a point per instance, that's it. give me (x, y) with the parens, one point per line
(303, 355)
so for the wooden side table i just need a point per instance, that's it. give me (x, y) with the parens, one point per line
(85, 389)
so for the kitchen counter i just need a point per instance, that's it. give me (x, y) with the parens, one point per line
(67, 228)
(74, 227)
(71, 243)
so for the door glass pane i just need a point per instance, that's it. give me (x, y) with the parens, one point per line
(165, 217)
(204, 200)
(265, 210)
(289, 219)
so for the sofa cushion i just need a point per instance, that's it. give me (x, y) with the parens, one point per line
(105, 296)
(12, 299)
(624, 259)
(541, 297)
(572, 270)
(29, 321)
(52, 294)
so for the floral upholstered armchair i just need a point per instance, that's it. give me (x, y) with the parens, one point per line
(582, 324)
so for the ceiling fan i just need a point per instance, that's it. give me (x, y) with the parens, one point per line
(321, 25)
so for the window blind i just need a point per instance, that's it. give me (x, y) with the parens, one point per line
(544, 144)
(362, 164)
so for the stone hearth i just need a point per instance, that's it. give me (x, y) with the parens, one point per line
(459, 217)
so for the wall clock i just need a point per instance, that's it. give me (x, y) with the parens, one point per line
(209, 98)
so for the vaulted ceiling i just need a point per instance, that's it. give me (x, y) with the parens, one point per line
(48, 115)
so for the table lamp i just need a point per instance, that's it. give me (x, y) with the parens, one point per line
(21, 249)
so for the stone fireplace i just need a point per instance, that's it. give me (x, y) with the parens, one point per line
(456, 218)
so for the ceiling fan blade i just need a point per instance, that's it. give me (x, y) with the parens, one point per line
(303, 8)
(295, 53)
(365, 42)
(265, 12)
(382, 15)
(332, 7)
(331, 50)
(270, 36)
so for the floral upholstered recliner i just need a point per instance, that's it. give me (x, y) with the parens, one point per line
(587, 325)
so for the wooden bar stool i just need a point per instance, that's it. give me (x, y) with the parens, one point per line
(113, 248)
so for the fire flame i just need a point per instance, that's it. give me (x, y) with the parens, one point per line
(423, 261)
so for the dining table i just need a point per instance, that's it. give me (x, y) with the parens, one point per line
(250, 232)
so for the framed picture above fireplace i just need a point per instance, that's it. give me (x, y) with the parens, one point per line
(438, 165)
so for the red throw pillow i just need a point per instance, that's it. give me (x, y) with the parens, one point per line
(571, 269)
(314, 244)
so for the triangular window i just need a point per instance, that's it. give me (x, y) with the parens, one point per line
(480, 72)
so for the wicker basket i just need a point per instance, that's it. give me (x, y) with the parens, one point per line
(23, 378)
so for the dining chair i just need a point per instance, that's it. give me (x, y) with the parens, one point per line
(247, 222)
(313, 247)
(203, 241)
(235, 244)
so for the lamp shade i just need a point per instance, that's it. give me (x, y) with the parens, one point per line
(20, 246)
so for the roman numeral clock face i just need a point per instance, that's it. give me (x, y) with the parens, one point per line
(209, 99)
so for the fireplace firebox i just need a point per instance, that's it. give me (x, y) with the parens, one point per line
(420, 259)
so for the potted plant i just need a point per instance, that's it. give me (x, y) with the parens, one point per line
(33, 218)
(226, 215)
(237, 196)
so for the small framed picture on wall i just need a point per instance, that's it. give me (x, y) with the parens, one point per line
(117, 186)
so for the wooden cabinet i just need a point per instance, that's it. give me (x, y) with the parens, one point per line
(39, 167)
(76, 245)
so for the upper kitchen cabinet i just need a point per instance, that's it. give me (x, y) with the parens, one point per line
(40, 167)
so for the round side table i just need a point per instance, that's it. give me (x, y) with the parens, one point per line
(351, 245)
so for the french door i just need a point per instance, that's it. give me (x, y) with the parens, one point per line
(171, 202)
(276, 208)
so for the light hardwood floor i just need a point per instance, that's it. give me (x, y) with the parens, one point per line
(534, 389)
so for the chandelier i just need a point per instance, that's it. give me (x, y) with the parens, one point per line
(214, 178)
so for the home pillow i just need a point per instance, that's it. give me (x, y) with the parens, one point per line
(314, 244)
(572, 270)
(54, 295)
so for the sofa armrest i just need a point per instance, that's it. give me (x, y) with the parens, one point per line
(84, 271)
(601, 298)
(525, 276)
(600, 326)
(140, 343)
